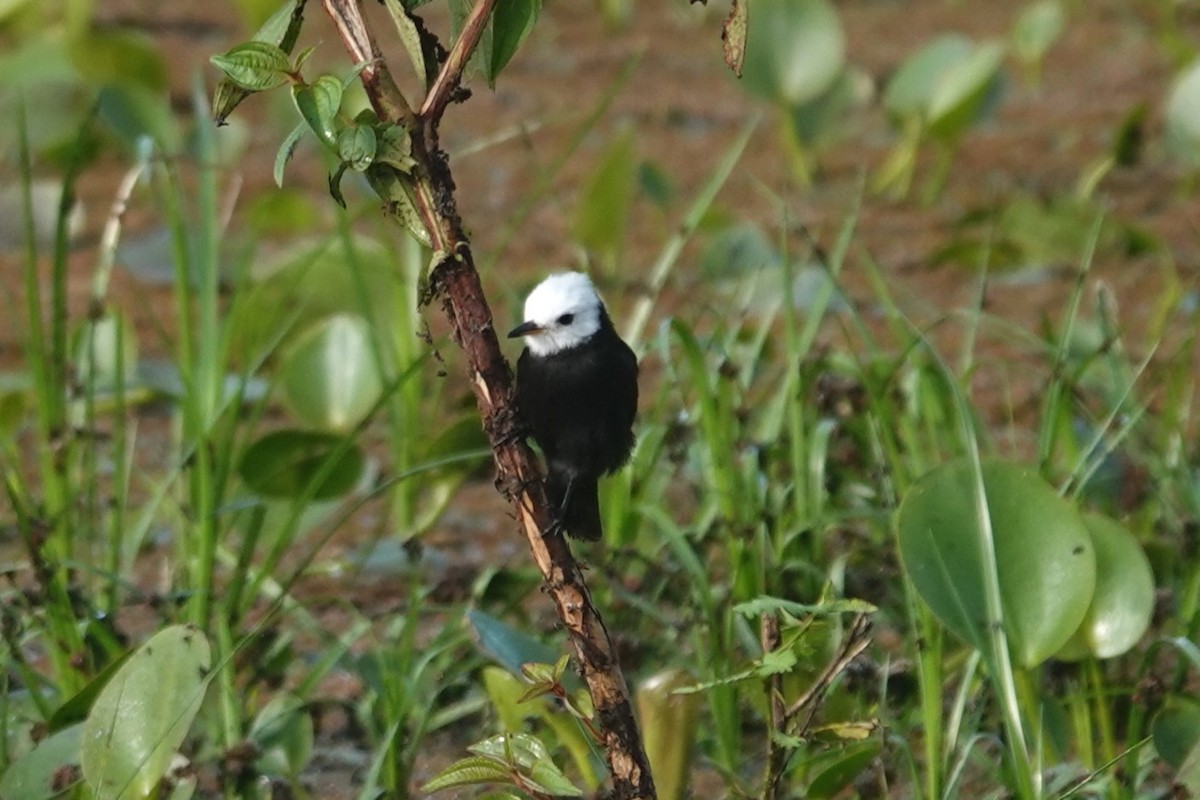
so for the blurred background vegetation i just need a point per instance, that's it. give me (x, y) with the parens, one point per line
(925, 257)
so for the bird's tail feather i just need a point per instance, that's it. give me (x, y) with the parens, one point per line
(581, 518)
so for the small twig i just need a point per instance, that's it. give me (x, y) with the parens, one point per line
(450, 76)
(853, 644)
(385, 95)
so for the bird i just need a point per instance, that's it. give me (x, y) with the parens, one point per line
(577, 395)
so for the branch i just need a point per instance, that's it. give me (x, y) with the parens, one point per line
(455, 282)
(451, 74)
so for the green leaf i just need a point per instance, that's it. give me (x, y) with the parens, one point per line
(1037, 29)
(519, 749)
(75, 708)
(284, 154)
(254, 66)
(395, 148)
(795, 50)
(545, 776)
(281, 29)
(330, 377)
(283, 463)
(911, 88)
(961, 93)
(356, 146)
(469, 771)
(118, 57)
(765, 604)
(38, 774)
(318, 103)
(669, 729)
(1176, 732)
(506, 644)
(283, 732)
(833, 774)
(512, 22)
(1183, 116)
(1123, 602)
(133, 112)
(142, 716)
(605, 206)
(1045, 561)
(410, 37)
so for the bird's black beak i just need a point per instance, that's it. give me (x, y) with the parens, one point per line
(524, 329)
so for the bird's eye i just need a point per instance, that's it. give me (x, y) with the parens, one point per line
(566, 319)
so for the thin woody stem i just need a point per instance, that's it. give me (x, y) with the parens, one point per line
(460, 53)
(454, 281)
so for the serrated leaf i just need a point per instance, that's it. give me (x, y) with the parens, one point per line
(544, 776)
(395, 148)
(356, 146)
(776, 662)
(286, 149)
(388, 185)
(318, 103)
(765, 604)
(512, 21)
(519, 749)
(142, 716)
(410, 37)
(254, 66)
(536, 672)
(468, 771)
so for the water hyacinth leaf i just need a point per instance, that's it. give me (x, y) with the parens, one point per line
(141, 717)
(283, 463)
(318, 103)
(1045, 561)
(512, 22)
(910, 91)
(1183, 116)
(1176, 733)
(330, 377)
(38, 775)
(1037, 29)
(1123, 602)
(795, 50)
(254, 66)
(106, 352)
(961, 93)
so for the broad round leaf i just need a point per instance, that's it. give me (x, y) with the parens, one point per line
(37, 774)
(318, 103)
(1037, 28)
(1045, 563)
(795, 50)
(330, 377)
(142, 716)
(283, 463)
(961, 94)
(1176, 732)
(1183, 116)
(1124, 598)
(910, 90)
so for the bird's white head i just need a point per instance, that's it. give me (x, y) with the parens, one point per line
(561, 312)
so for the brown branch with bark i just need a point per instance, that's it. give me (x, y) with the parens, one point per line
(455, 282)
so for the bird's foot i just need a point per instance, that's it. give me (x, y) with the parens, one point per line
(555, 528)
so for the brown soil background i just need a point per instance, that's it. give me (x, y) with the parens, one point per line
(686, 109)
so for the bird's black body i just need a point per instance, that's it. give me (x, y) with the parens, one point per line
(579, 403)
